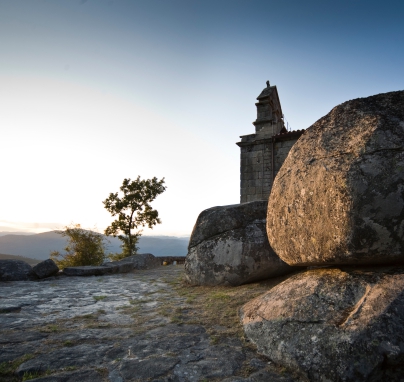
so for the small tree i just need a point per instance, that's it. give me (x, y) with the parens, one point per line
(84, 248)
(133, 211)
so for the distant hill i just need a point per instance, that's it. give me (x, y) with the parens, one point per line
(38, 246)
(12, 257)
(3, 233)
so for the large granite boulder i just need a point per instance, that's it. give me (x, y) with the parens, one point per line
(45, 268)
(339, 196)
(333, 324)
(15, 270)
(229, 246)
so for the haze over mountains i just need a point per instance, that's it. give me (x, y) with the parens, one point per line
(39, 246)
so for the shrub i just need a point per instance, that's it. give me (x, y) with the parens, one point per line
(84, 248)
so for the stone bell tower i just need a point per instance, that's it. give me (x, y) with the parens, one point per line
(269, 120)
(263, 153)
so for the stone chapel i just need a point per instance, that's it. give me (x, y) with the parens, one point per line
(263, 152)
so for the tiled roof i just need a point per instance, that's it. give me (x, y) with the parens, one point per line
(290, 134)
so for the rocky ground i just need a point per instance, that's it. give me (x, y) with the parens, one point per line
(140, 326)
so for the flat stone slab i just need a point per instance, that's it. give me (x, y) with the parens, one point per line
(128, 264)
(112, 328)
(88, 270)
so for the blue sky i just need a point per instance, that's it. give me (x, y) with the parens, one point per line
(93, 91)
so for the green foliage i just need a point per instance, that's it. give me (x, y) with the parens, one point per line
(99, 298)
(29, 375)
(8, 368)
(133, 211)
(84, 248)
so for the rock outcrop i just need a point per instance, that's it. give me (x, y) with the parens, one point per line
(229, 246)
(333, 324)
(117, 330)
(339, 196)
(15, 270)
(45, 268)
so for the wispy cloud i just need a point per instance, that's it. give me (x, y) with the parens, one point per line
(34, 227)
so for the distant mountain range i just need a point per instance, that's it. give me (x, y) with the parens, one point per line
(3, 233)
(38, 246)
(31, 262)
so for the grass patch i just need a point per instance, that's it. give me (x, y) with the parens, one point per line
(103, 371)
(70, 368)
(140, 301)
(99, 298)
(190, 299)
(129, 309)
(8, 368)
(218, 306)
(89, 316)
(68, 343)
(50, 329)
(176, 319)
(28, 375)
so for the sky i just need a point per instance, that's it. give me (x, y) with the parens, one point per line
(95, 91)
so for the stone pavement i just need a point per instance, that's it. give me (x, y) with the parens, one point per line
(116, 328)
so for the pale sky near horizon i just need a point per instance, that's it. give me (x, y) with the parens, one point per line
(95, 91)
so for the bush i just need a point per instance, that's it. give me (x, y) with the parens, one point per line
(84, 248)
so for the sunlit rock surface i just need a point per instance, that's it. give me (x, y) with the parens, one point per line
(339, 196)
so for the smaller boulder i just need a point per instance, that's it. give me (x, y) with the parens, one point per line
(229, 246)
(143, 261)
(46, 268)
(15, 270)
